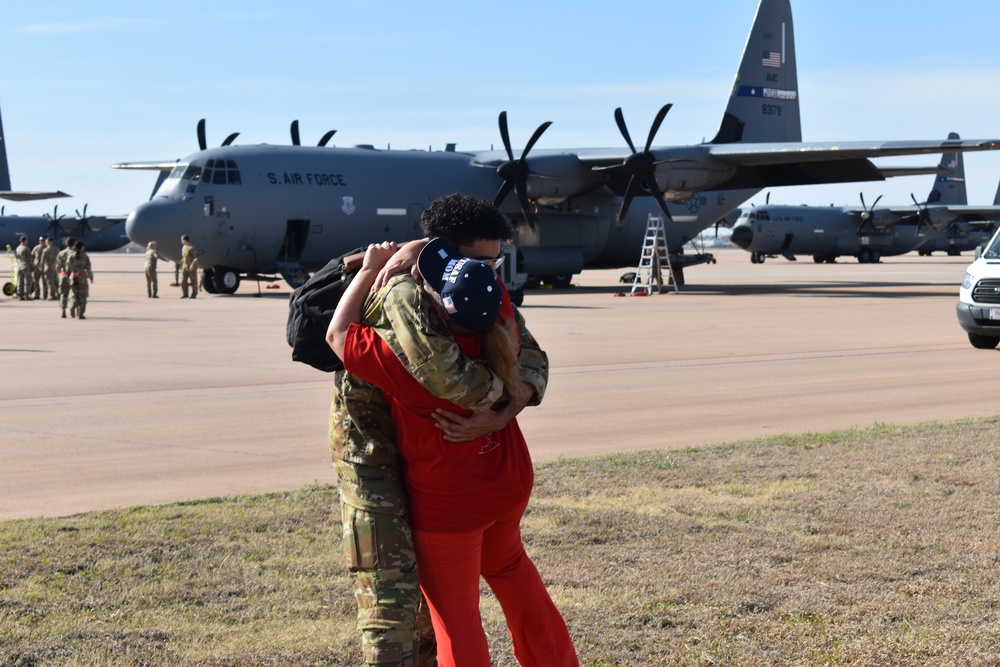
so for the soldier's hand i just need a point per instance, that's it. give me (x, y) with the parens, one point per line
(401, 262)
(458, 428)
(378, 254)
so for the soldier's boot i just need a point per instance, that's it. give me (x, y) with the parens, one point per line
(81, 310)
(72, 311)
(64, 313)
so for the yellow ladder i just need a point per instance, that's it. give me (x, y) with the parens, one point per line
(652, 258)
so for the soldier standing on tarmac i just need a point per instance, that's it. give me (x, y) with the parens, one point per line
(36, 273)
(62, 265)
(48, 264)
(151, 259)
(189, 268)
(25, 269)
(80, 275)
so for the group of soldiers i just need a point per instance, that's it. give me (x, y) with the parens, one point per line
(44, 274)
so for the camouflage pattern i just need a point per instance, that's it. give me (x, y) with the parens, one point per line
(25, 269)
(50, 280)
(377, 540)
(64, 282)
(36, 270)
(152, 286)
(80, 276)
(189, 270)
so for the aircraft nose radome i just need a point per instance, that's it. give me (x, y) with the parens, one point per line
(158, 221)
(742, 236)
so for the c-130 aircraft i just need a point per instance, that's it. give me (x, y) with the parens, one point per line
(254, 210)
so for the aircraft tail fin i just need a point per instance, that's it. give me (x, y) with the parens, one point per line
(4, 169)
(949, 188)
(764, 103)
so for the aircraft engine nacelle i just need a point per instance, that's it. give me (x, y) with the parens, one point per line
(938, 217)
(680, 175)
(556, 178)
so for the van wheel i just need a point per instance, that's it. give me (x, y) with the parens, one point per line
(983, 342)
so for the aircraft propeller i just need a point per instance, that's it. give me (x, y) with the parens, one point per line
(923, 216)
(866, 215)
(54, 221)
(641, 167)
(203, 143)
(296, 140)
(515, 173)
(84, 221)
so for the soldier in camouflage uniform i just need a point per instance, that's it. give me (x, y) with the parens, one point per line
(377, 539)
(64, 282)
(80, 276)
(49, 279)
(189, 268)
(25, 269)
(36, 272)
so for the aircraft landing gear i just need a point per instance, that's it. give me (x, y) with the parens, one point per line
(208, 281)
(226, 281)
(757, 257)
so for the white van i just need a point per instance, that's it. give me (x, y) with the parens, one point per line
(979, 297)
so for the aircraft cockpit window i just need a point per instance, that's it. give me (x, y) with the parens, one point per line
(177, 171)
(193, 173)
(993, 250)
(221, 172)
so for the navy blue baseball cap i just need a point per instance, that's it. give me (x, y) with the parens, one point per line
(467, 288)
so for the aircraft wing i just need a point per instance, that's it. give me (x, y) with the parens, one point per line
(30, 196)
(148, 166)
(936, 215)
(99, 222)
(765, 165)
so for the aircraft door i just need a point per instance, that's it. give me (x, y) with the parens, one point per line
(296, 235)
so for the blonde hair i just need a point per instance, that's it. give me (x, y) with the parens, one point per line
(501, 358)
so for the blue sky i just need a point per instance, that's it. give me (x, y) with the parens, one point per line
(85, 85)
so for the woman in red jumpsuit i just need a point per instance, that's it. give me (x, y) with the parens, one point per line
(466, 499)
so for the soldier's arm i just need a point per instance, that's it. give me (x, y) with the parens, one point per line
(427, 349)
(534, 362)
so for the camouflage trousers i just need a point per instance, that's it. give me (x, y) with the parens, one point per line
(378, 545)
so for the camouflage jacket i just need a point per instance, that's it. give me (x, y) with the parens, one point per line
(24, 261)
(361, 430)
(78, 266)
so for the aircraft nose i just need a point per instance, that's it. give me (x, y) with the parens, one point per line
(159, 220)
(742, 236)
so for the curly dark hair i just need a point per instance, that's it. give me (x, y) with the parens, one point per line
(462, 219)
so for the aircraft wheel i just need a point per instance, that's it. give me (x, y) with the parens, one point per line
(226, 281)
(208, 281)
(753, 258)
(983, 342)
(760, 257)
(517, 297)
(876, 256)
(865, 256)
(9, 289)
(532, 282)
(953, 251)
(560, 281)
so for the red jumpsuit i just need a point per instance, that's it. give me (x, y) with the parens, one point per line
(466, 501)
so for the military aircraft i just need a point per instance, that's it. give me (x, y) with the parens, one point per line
(97, 232)
(961, 236)
(865, 232)
(258, 209)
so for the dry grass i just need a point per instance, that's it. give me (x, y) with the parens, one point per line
(862, 547)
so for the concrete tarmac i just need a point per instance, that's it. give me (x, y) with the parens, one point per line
(151, 401)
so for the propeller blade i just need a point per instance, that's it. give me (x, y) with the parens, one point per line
(326, 138)
(202, 143)
(660, 115)
(505, 135)
(231, 138)
(534, 138)
(295, 133)
(620, 120)
(502, 193)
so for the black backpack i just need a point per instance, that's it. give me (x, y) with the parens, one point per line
(310, 309)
